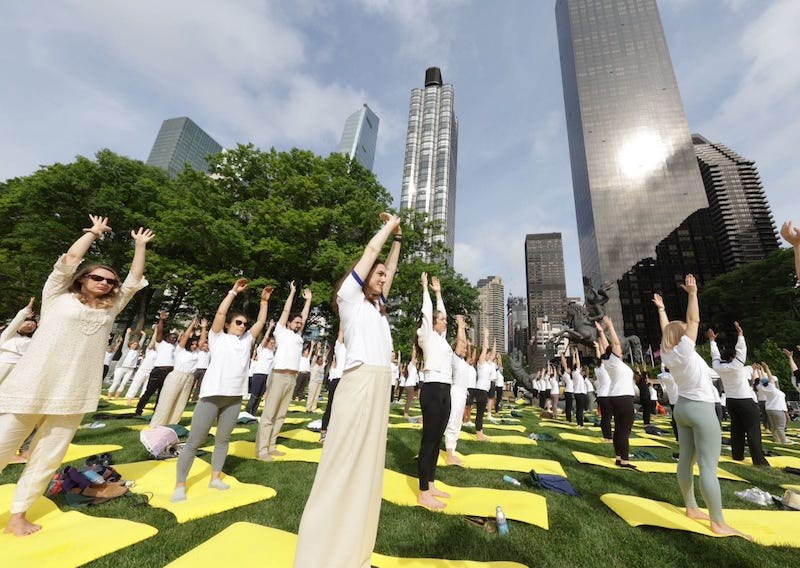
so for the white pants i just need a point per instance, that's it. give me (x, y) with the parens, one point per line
(139, 383)
(458, 400)
(314, 388)
(121, 377)
(48, 448)
(173, 398)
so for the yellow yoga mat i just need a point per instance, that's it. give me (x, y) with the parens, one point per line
(664, 438)
(157, 478)
(213, 430)
(80, 451)
(499, 462)
(298, 408)
(467, 437)
(300, 435)
(511, 427)
(647, 466)
(774, 461)
(770, 528)
(226, 548)
(566, 426)
(521, 506)
(412, 415)
(792, 487)
(66, 539)
(634, 442)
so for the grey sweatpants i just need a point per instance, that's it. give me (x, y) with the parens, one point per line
(223, 409)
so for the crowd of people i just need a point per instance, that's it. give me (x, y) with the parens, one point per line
(221, 365)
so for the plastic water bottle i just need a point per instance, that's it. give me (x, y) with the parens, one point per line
(512, 481)
(502, 524)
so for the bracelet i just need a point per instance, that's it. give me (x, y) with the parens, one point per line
(662, 309)
(231, 292)
(397, 238)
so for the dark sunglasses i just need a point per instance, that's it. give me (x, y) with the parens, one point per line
(98, 278)
(240, 322)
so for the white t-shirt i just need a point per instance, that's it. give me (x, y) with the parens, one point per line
(472, 377)
(340, 353)
(552, 383)
(602, 383)
(305, 364)
(185, 361)
(202, 359)
(149, 361)
(578, 384)
(671, 388)
(460, 373)
(588, 384)
(289, 349)
(689, 370)
(165, 354)
(230, 360)
(413, 375)
(108, 357)
(263, 364)
(653, 394)
(568, 385)
(734, 375)
(128, 361)
(776, 398)
(12, 350)
(621, 376)
(499, 380)
(443, 373)
(484, 377)
(395, 374)
(317, 373)
(366, 331)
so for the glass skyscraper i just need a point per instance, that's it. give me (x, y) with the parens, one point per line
(544, 273)
(360, 136)
(634, 172)
(491, 314)
(429, 171)
(180, 141)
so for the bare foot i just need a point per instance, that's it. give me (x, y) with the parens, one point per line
(130, 402)
(607, 441)
(696, 514)
(276, 453)
(429, 501)
(18, 459)
(722, 528)
(436, 493)
(453, 459)
(265, 458)
(481, 436)
(20, 526)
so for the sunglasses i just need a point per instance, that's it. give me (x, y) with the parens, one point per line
(239, 322)
(98, 278)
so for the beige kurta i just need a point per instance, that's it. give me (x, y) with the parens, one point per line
(61, 371)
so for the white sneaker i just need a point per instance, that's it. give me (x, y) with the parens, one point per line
(469, 424)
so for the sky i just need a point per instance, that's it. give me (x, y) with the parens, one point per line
(80, 76)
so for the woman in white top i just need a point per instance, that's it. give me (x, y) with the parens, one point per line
(553, 389)
(335, 375)
(458, 392)
(499, 381)
(434, 398)
(55, 383)
(700, 433)
(671, 389)
(261, 368)
(411, 382)
(340, 520)
(126, 365)
(224, 385)
(15, 339)
(315, 382)
(178, 384)
(578, 385)
(777, 410)
(602, 387)
(148, 361)
(472, 382)
(569, 393)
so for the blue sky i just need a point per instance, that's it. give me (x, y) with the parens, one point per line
(80, 76)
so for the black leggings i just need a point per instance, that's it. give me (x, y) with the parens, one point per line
(543, 398)
(434, 399)
(622, 409)
(498, 398)
(672, 421)
(481, 400)
(331, 391)
(605, 419)
(646, 408)
(259, 386)
(154, 384)
(580, 406)
(745, 416)
(569, 399)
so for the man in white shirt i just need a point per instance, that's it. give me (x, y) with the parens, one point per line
(165, 362)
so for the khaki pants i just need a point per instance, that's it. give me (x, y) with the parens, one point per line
(314, 388)
(173, 398)
(48, 448)
(276, 402)
(340, 521)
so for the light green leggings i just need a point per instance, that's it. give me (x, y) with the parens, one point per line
(700, 441)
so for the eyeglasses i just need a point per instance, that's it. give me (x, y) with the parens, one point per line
(98, 278)
(240, 322)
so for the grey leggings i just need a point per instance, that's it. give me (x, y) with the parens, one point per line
(223, 409)
(700, 441)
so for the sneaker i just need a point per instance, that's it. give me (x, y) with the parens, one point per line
(469, 424)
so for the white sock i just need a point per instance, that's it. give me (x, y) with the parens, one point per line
(179, 494)
(218, 484)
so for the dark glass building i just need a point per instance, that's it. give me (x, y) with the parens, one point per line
(544, 274)
(634, 172)
(179, 142)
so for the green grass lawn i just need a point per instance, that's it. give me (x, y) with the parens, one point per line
(583, 531)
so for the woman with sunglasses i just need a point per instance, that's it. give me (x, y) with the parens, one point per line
(78, 310)
(224, 385)
(340, 520)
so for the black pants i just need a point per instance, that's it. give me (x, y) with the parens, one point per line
(605, 419)
(154, 384)
(580, 407)
(259, 386)
(515, 389)
(622, 410)
(498, 398)
(674, 424)
(569, 399)
(718, 410)
(435, 403)
(331, 391)
(300, 385)
(745, 417)
(762, 407)
(543, 399)
(481, 400)
(646, 409)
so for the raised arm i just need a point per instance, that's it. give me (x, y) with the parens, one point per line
(692, 309)
(269, 333)
(392, 260)
(792, 236)
(716, 357)
(663, 320)
(427, 305)
(140, 238)
(306, 308)
(222, 311)
(263, 307)
(602, 340)
(790, 358)
(154, 337)
(287, 305)
(187, 334)
(79, 248)
(203, 332)
(741, 345)
(437, 289)
(375, 245)
(461, 335)
(17, 322)
(484, 345)
(159, 332)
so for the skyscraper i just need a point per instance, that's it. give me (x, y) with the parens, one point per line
(517, 324)
(360, 135)
(544, 274)
(634, 173)
(429, 170)
(491, 312)
(739, 209)
(180, 141)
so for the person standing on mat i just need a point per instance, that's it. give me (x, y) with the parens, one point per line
(55, 382)
(602, 386)
(265, 357)
(777, 410)
(317, 378)
(483, 383)
(334, 376)
(671, 388)
(578, 385)
(148, 361)
(178, 384)
(164, 364)
(278, 396)
(340, 519)
(303, 373)
(412, 380)
(700, 433)
(569, 391)
(740, 399)
(224, 385)
(458, 392)
(620, 392)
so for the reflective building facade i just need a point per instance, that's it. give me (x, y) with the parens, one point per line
(429, 170)
(634, 173)
(360, 136)
(517, 310)
(544, 274)
(180, 141)
(491, 312)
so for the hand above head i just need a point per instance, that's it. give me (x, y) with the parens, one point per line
(266, 293)
(239, 285)
(690, 285)
(204, 322)
(99, 226)
(142, 236)
(306, 294)
(790, 233)
(391, 220)
(711, 335)
(292, 287)
(788, 353)
(163, 314)
(424, 279)
(29, 307)
(460, 320)
(658, 301)
(738, 328)
(435, 285)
